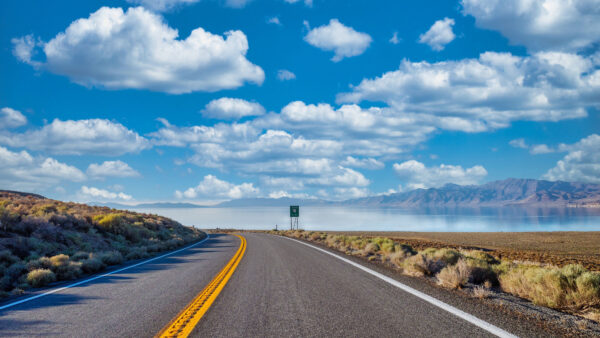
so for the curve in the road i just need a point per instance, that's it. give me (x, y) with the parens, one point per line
(183, 324)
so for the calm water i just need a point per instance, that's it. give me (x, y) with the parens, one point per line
(375, 219)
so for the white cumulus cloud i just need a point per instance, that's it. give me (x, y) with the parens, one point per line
(95, 194)
(10, 118)
(439, 35)
(566, 25)
(213, 187)
(489, 92)
(418, 176)
(21, 171)
(581, 164)
(227, 108)
(137, 49)
(79, 137)
(111, 169)
(344, 41)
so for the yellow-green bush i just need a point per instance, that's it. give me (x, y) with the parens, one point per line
(455, 276)
(40, 277)
(572, 287)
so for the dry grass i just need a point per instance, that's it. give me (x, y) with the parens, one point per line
(454, 276)
(38, 235)
(481, 292)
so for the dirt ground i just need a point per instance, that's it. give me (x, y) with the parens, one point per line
(554, 248)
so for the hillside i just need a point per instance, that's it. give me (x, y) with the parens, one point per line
(43, 240)
(509, 192)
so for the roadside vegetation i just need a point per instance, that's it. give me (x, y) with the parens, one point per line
(43, 240)
(571, 288)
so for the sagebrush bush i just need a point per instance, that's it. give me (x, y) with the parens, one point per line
(454, 276)
(422, 265)
(40, 277)
(92, 265)
(570, 288)
(111, 257)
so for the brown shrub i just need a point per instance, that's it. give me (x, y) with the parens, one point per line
(454, 276)
(421, 265)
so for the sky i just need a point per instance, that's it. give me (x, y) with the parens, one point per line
(210, 100)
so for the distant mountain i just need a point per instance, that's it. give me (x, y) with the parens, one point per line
(273, 202)
(158, 205)
(509, 192)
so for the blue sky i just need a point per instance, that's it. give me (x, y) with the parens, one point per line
(206, 100)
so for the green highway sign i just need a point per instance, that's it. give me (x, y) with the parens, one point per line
(294, 211)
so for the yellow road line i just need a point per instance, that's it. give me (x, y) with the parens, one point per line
(183, 324)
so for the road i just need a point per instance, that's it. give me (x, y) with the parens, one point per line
(281, 288)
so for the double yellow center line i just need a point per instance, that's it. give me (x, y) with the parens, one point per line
(183, 324)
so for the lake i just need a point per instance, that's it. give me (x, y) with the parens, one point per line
(389, 219)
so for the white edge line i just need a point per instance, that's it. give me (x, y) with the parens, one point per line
(100, 276)
(459, 313)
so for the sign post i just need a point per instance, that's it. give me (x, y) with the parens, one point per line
(294, 215)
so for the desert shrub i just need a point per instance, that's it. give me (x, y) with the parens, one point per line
(15, 271)
(40, 263)
(571, 288)
(448, 256)
(401, 252)
(388, 247)
(92, 265)
(6, 258)
(481, 271)
(454, 276)
(79, 256)
(482, 256)
(481, 292)
(370, 249)
(315, 236)
(136, 253)
(111, 257)
(421, 265)
(40, 277)
(64, 268)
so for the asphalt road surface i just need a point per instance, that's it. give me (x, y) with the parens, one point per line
(281, 288)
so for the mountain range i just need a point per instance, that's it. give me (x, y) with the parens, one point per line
(508, 192)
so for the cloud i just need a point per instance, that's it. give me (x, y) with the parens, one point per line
(137, 49)
(487, 93)
(581, 164)
(439, 35)
(79, 137)
(213, 187)
(24, 49)
(111, 169)
(274, 20)
(366, 163)
(354, 192)
(534, 149)
(394, 40)
(10, 118)
(95, 194)
(21, 171)
(227, 108)
(284, 75)
(419, 176)
(342, 40)
(518, 143)
(307, 3)
(540, 24)
(162, 5)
